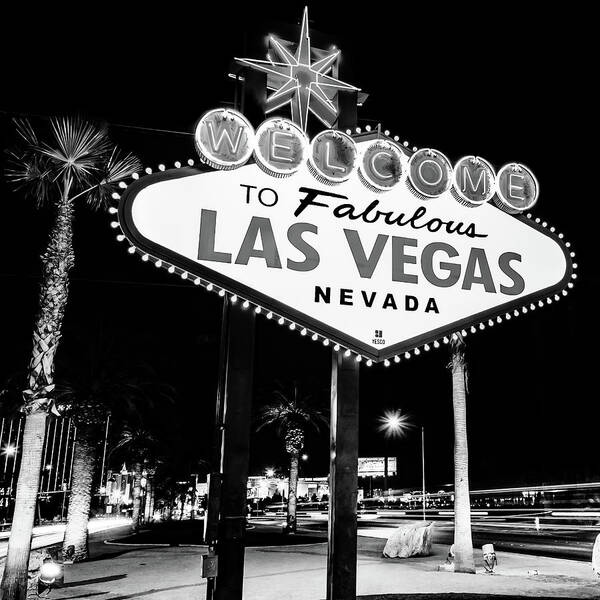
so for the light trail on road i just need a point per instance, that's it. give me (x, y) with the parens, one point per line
(47, 535)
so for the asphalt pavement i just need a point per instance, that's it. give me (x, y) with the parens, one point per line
(573, 541)
(126, 571)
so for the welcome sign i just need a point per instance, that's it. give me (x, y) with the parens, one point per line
(354, 240)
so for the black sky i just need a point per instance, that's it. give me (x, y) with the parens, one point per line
(499, 83)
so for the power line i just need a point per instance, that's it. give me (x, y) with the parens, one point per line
(104, 281)
(121, 125)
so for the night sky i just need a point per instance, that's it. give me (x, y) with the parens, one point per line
(509, 87)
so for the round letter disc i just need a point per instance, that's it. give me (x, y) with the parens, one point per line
(516, 188)
(382, 165)
(473, 183)
(332, 156)
(224, 139)
(280, 147)
(429, 173)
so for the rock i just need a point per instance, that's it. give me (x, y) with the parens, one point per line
(412, 539)
(596, 556)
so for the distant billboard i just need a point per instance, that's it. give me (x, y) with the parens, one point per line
(375, 466)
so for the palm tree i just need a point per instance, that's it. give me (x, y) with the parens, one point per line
(291, 414)
(142, 448)
(463, 542)
(98, 387)
(75, 161)
(75, 541)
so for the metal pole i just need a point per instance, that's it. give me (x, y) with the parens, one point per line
(343, 479)
(236, 449)
(12, 475)
(10, 428)
(46, 442)
(51, 455)
(385, 470)
(423, 466)
(62, 476)
(72, 454)
(211, 518)
(104, 451)
(60, 440)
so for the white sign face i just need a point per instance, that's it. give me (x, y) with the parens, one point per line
(375, 466)
(377, 272)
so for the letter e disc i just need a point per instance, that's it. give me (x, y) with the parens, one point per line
(474, 181)
(332, 156)
(224, 139)
(382, 165)
(516, 188)
(429, 173)
(280, 147)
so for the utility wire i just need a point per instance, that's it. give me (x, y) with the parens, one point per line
(122, 125)
(104, 281)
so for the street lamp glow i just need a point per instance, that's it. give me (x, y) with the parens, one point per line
(305, 457)
(10, 450)
(270, 472)
(393, 423)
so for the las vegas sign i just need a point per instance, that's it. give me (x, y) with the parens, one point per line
(353, 239)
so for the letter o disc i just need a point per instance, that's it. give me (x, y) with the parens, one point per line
(332, 156)
(474, 181)
(280, 147)
(429, 173)
(382, 165)
(516, 188)
(224, 139)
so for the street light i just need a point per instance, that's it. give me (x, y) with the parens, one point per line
(10, 450)
(305, 457)
(270, 472)
(394, 425)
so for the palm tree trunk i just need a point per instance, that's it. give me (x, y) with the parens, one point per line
(57, 261)
(14, 581)
(78, 515)
(292, 493)
(136, 494)
(463, 542)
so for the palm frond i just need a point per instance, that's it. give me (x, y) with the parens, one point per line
(119, 166)
(31, 173)
(77, 148)
(73, 152)
(26, 132)
(290, 411)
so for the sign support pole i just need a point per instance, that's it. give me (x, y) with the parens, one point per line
(211, 520)
(235, 453)
(343, 479)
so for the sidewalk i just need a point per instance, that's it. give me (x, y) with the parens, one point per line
(298, 573)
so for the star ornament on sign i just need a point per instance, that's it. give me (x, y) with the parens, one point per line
(300, 82)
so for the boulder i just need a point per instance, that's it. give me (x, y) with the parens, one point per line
(411, 539)
(596, 556)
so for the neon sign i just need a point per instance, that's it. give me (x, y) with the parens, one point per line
(360, 242)
(226, 140)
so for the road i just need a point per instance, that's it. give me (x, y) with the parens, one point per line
(46, 535)
(512, 532)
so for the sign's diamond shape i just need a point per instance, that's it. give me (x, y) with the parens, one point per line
(378, 273)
